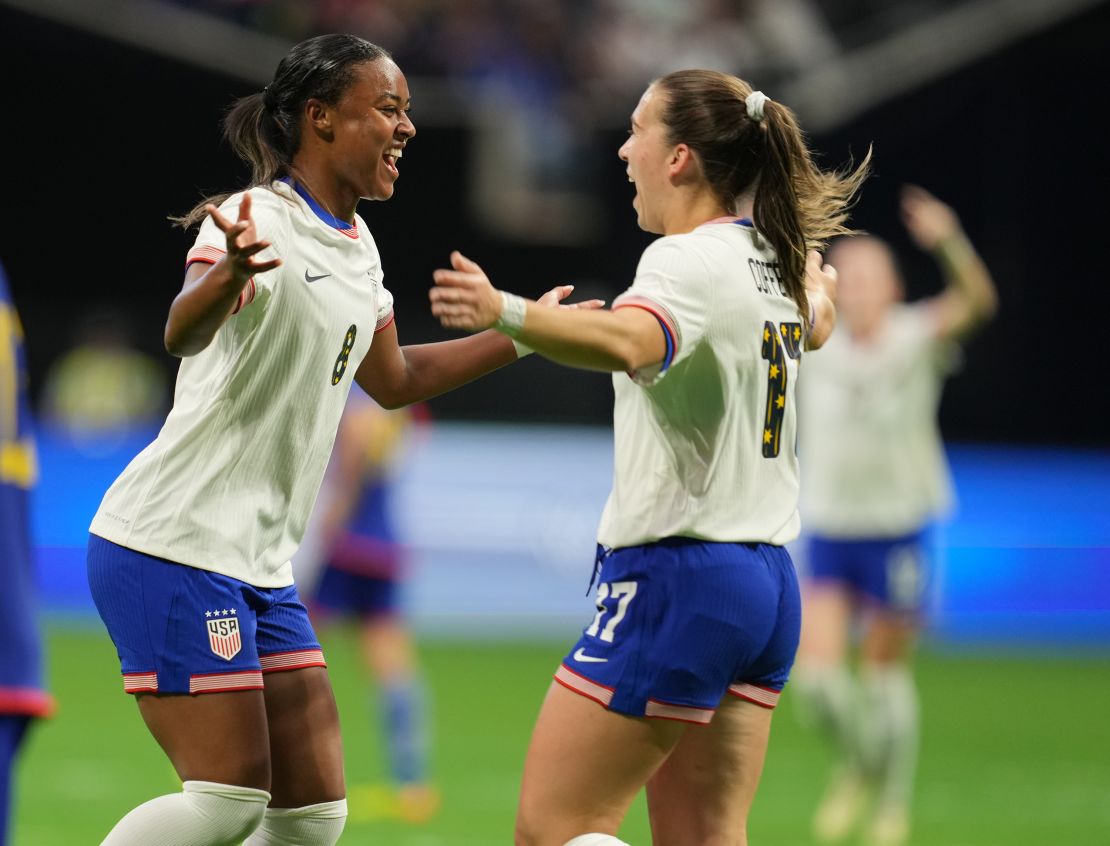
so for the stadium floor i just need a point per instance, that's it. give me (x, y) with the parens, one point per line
(1014, 753)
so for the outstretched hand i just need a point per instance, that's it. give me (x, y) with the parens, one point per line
(927, 219)
(556, 295)
(464, 298)
(242, 242)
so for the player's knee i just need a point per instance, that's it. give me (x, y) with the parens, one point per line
(229, 812)
(595, 840)
(311, 825)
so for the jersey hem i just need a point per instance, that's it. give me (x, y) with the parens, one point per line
(158, 551)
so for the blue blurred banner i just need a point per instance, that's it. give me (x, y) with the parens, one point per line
(501, 522)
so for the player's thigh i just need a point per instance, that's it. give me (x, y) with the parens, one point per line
(220, 737)
(306, 749)
(704, 790)
(585, 765)
(827, 609)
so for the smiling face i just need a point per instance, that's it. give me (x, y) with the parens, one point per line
(647, 154)
(371, 127)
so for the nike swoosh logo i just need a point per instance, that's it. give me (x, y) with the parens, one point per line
(311, 279)
(580, 655)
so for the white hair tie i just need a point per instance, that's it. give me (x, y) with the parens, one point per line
(754, 102)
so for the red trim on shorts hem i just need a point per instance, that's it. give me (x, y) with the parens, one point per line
(735, 690)
(569, 685)
(273, 661)
(693, 721)
(385, 325)
(252, 681)
(140, 682)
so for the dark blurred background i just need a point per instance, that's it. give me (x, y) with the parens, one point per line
(996, 107)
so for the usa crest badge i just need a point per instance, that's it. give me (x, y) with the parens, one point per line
(224, 637)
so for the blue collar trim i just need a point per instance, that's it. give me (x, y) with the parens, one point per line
(322, 213)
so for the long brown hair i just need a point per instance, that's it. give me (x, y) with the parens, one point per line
(798, 207)
(265, 128)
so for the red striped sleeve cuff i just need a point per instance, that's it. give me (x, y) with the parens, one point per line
(211, 255)
(202, 252)
(664, 316)
(384, 322)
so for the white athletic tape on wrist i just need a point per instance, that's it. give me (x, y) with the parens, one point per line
(511, 320)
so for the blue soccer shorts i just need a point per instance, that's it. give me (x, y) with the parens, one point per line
(681, 623)
(180, 629)
(368, 597)
(894, 573)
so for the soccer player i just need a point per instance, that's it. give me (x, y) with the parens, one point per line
(364, 568)
(875, 477)
(22, 697)
(674, 681)
(189, 554)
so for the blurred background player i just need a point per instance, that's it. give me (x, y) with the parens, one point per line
(103, 389)
(22, 697)
(875, 477)
(353, 535)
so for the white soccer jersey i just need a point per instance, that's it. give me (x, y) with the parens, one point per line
(705, 448)
(230, 480)
(873, 463)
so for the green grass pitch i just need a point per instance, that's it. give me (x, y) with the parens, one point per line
(1016, 750)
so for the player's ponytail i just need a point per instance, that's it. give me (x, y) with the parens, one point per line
(264, 128)
(750, 144)
(799, 207)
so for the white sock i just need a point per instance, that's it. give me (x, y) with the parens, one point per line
(203, 814)
(311, 825)
(828, 698)
(595, 840)
(891, 734)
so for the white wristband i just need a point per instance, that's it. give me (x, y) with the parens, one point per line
(511, 320)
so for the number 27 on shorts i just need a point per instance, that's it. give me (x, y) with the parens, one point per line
(622, 592)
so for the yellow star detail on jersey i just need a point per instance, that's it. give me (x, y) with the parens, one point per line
(774, 371)
(797, 334)
(780, 402)
(766, 335)
(766, 436)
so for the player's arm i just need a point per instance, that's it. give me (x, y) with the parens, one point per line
(969, 298)
(211, 291)
(821, 291)
(396, 376)
(626, 339)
